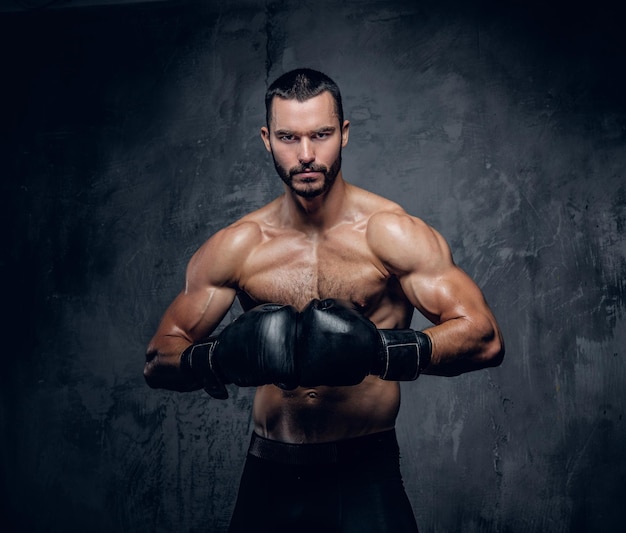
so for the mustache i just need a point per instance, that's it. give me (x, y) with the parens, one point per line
(307, 168)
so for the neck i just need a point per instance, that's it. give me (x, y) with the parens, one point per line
(319, 213)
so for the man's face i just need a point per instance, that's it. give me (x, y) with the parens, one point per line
(305, 140)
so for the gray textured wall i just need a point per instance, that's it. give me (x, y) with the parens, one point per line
(130, 134)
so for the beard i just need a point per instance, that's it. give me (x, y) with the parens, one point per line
(309, 190)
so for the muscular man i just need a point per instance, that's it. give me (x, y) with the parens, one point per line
(328, 275)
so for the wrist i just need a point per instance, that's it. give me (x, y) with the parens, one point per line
(195, 362)
(404, 354)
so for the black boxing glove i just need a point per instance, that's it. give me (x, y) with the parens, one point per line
(257, 348)
(338, 346)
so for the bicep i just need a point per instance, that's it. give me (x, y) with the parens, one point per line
(465, 336)
(210, 290)
(438, 287)
(194, 314)
(443, 295)
(191, 316)
(422, 261)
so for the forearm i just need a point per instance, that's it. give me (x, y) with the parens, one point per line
(162, 369)
(463, 345)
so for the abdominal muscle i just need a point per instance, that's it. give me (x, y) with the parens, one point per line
(324, 414)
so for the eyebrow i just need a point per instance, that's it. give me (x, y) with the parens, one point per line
(323, 129)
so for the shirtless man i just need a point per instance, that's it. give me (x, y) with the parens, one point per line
(343, 271)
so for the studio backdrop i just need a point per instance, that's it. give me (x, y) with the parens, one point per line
(130, 134)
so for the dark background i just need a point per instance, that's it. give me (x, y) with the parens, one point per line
(129, 134)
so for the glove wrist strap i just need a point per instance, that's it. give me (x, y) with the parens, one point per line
(404, 354)
(195, 361)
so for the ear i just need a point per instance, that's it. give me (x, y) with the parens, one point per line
(265, 135)
(345, 130)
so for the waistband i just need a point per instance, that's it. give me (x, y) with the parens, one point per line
(347, 451)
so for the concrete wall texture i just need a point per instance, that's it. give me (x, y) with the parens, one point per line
(130, 135)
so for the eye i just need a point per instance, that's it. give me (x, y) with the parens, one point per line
(286, 137)
(322, 134)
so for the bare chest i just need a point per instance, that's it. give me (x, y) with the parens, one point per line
(294, 269)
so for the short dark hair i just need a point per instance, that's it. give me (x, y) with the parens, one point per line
(302, 84)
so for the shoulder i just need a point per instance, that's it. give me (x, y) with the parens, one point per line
(405, 243)
(218, 260)
(240, 237)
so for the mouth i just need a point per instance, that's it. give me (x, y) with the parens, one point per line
(308, 175)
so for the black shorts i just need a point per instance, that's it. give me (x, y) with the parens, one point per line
(346, 486)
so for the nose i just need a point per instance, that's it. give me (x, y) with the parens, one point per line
(306, 154)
